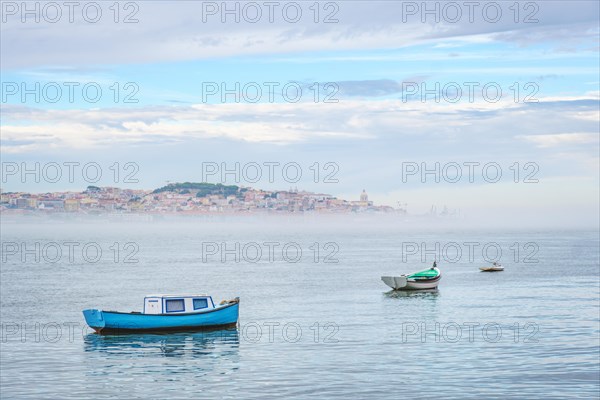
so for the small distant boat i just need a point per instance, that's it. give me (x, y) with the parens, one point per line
(426, 279)
(492, 268)
(167, 313)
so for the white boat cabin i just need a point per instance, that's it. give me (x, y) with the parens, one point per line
(177, 304)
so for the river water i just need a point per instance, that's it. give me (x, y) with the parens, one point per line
(315, 319)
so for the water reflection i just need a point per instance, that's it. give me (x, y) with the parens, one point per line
(182, 344)
(426, 293)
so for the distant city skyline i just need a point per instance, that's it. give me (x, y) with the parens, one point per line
(192, 198)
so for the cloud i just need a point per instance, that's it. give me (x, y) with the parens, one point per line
(178, 31)
(561, 139)
(415, 124)
(268, 123)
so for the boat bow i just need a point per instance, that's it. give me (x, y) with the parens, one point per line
(95, 319)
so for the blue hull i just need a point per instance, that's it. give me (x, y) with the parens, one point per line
(117, 322)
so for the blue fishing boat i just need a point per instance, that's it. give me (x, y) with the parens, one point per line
(164, 312)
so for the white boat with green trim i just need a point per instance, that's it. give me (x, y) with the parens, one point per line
(426, 279)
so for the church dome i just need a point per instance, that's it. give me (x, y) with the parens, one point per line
(364, 196)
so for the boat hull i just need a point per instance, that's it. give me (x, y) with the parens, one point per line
(117, 322)
(402, 283)
(491, 269)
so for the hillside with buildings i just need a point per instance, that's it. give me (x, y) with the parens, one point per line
(187, 197)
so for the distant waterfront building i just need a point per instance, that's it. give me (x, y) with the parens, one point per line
(23, 202)
(364, 200)
(320, 196)
(52, 204)
(71, 205)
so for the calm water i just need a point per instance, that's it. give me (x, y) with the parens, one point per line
(309, 328)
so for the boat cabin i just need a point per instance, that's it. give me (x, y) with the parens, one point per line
(177, 304)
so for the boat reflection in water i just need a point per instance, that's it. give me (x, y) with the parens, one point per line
(393, 294)
(221, 343)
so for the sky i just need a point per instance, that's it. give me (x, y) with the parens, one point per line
(331, 97)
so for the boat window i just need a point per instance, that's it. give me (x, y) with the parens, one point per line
(200, 303)
(175, 305)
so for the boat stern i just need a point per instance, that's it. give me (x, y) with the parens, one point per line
(395, 282)
(95, 319)
(230, 313)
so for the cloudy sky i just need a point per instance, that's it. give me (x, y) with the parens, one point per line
(355, 93)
